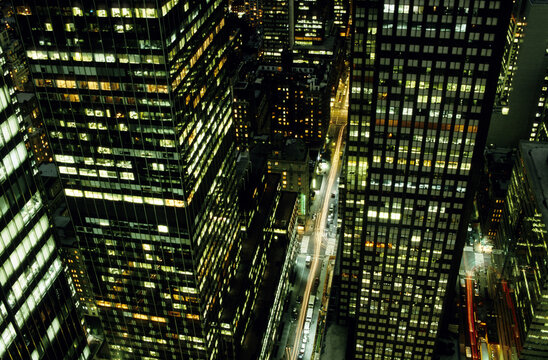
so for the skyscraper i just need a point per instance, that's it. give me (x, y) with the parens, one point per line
(341, 12)
(310, 19)
(523, 288)
(277, 26)
(423, 78)
(522, 86)
(38, 318)
(302, 27)
(136, 100)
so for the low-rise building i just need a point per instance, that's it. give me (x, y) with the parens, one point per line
(291, 161)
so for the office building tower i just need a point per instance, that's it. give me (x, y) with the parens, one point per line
(136, 101)
(247, 9)
(341, 10)
(310, 21)
(509, 56)
(423, 77)
(38, 317)
(523, 286)
(277, 28)
(299, 27)
(250, 108)
(299, 99)
(520, 91)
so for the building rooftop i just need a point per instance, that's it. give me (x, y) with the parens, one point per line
(290, 150)
(48, 170)
(335, 341)
(500, 162)
(295, 149)
(24, 96)
(285, 209)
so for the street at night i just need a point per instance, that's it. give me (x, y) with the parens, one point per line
(274, 180)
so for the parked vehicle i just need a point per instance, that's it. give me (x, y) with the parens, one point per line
(311, 301)
(306, 329)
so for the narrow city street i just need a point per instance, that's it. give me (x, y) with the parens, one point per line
(475, 300)
(305, 318)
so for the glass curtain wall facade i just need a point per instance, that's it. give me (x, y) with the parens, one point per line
(38, 318)
(423, 78)
(136, 100)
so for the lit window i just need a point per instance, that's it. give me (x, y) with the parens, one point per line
(69, 159)
(127, 176)
(126, 164)
(67, 170)
(93, 195)
(104, 150)
(74, 192)
(88, 172)
(133, 199)
(107, 174)
(167, 143)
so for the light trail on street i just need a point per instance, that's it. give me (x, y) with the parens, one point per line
(319, 227)
(471, 320)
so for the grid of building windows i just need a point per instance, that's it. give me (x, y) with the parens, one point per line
(422, 75)
(136, 102)
(299, 104)
(37, 316)
(310, 18)
(341, 11)
(275, 21)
